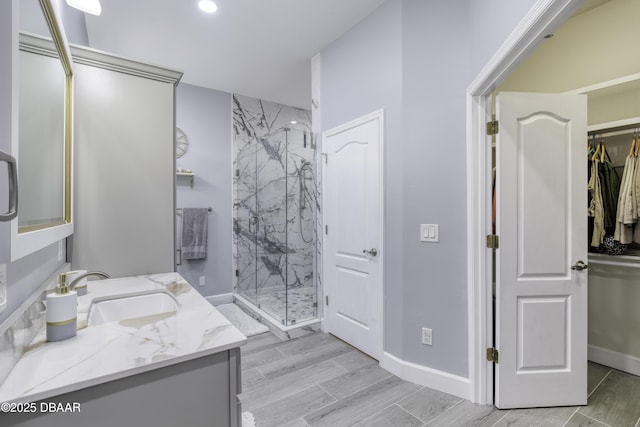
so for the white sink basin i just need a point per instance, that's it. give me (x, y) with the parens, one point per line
(111, 309)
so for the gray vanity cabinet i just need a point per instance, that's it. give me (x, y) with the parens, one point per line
(197, 393)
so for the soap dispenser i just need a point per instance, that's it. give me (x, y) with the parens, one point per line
(62, 311)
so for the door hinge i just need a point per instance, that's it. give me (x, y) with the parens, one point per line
(326, 230)
(326, 300)
(326, 158)
(493, 126)
(237, 273)
(492, 355)
(493, 241)
(237, 173)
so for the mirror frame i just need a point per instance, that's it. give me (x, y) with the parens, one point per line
(26, 240)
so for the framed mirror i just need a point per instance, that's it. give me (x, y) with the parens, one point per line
(44, 140)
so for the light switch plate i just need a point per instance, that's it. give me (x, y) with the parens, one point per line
(3, 287)
(429, 233)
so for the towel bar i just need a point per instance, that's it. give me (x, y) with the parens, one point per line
(180, 209)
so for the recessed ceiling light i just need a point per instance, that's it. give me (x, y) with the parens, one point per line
(89, 6)
(293, 122)
(207, 6)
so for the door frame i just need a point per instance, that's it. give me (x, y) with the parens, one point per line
(379, 116)
(544, 17)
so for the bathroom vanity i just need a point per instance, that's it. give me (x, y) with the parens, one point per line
(176, 362)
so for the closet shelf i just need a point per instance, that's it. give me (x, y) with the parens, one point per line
(632, 261)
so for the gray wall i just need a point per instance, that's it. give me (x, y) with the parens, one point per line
(491, 22)
(205, 116)
(435, 76)
(361, 73)
(415, 59)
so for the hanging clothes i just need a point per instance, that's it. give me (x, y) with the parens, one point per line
(610, 189)
(636, 192)
(627, 211)
(596, 209)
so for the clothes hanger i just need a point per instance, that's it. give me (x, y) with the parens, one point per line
(596, 153)
(632, 151)
(602, 152)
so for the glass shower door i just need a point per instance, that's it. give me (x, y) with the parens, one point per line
(301, 226)
(271, 256)
(275, 220)
(245, 220)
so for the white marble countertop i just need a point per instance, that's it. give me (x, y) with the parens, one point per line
(114, 350)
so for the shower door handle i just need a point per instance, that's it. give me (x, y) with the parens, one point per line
(372, 252)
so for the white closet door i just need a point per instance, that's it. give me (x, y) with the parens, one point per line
(541, 300)
(124, 173)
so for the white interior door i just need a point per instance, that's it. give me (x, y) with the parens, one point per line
(353, 239)
(541, 302)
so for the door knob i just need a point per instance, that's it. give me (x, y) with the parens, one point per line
(580, 265)
(373, 252)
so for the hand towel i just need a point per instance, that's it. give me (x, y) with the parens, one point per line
(194, 233)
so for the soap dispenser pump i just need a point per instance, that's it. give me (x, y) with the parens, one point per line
(62, 311)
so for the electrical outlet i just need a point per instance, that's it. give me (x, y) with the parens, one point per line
(427, 336)
(202, 280)
(3, 287)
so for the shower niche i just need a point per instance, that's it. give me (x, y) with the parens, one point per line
(275, 211)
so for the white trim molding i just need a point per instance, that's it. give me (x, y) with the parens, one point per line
(543, 18)
(427, 377)
(613, 359)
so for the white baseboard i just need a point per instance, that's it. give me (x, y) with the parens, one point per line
(220, 299)
(613, 359)
(427, 377)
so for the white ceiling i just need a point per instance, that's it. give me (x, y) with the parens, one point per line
(258, 48)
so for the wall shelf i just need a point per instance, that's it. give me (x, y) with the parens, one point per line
(190, 175)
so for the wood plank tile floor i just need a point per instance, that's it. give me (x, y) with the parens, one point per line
(318, 380)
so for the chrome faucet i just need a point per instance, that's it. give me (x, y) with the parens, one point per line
(72, 284)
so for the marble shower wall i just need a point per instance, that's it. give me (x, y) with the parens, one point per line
(275, 206)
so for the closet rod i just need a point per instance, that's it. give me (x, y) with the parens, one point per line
(180, 209)
(623, 130)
